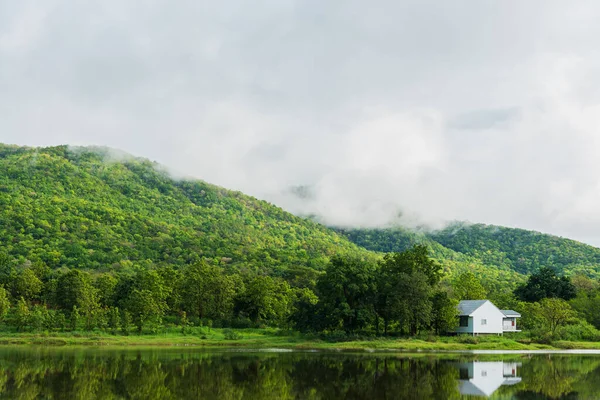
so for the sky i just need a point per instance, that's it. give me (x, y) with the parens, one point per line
(363, 113)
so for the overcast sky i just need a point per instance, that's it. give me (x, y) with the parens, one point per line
(487, 111)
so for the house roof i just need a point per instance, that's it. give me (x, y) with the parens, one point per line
(510, 313)
(467, 307)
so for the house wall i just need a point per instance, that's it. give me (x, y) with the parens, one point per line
(466, 329)
(508, 324)
(492, 315)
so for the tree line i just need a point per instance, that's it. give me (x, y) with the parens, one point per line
(399, 294)
(403, 293)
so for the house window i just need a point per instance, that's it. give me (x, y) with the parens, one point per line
(484, 322)
(464, 321)
(483, 373)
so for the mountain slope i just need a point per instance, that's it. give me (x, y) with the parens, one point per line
(498, 278)
(78, 208)
(521, 250)
(517, 250)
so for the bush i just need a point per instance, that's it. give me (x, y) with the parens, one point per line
(467, 339)
(543, 338)
(232, 335)
(432, 339)
(582, 330)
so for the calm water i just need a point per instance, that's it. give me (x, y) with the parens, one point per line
(194, 374)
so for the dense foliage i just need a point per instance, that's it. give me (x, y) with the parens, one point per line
(521, 250)
(545, 283)
(496, 279)
(502, 248)
(82, 208)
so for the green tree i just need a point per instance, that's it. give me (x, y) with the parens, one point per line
(555, 313)
(144, 309)
(75, 318)
(587, 305)
(304, 313)
(184, 323)
(37, 317)
(4, 302)
(415, 259)
(545, 283)
(206, 292)
(21, 314)
(347, 294)
(466, 286)
(27, 285)
(74, 289)
(105, 285)
(113, 319)
(266, 300)
(444, 315)
(7, 270)
(414, 307)
(147, 299)
(126, 321)
(404, 285)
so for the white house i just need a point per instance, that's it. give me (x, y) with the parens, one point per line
(482, 316)
(484, 378)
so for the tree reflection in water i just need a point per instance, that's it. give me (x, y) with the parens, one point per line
(193, 374)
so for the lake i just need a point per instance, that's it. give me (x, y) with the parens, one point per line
(67, 373)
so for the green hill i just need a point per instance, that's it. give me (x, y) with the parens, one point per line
(521, 250)
(498, 278)
(512, 249)
(76, 207)
(91, 209)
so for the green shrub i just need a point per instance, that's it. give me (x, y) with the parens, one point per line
(432, 339)
(230, 334)
(467, 339)
(581, 331)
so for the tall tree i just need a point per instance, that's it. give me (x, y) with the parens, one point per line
(74, 289)
(404, 285)
(21, 314)
(4, 302)
(347, 293)
(266, 299)
(105, 285)
(444, 313)
(206, 292)
(555, 313)
(415, 259)
(545, 283)
(415, 306)
(27, 285)
(147, 299)
(467, 287)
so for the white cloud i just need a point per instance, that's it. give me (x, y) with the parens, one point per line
(485, 111)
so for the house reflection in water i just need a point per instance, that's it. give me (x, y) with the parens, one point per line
(484, 378)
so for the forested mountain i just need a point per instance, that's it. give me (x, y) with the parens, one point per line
(86, 208)
(519, 250)
(153, 247)
(398, 239)
(78, 207)
(522, 250)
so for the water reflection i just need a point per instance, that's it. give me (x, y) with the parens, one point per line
(192, 374)
(483, 378)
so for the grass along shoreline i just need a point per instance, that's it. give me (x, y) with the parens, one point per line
(269, 338)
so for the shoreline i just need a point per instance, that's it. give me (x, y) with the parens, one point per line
(260, 341)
